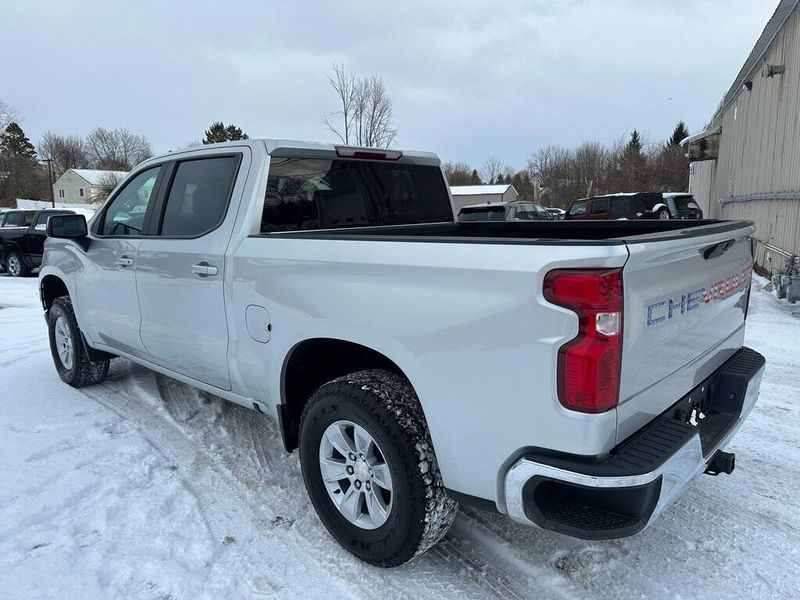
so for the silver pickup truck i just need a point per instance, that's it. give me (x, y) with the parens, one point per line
(575, 376)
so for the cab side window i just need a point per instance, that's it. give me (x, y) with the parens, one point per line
(41, 221)
(125, 215)
(199, 194)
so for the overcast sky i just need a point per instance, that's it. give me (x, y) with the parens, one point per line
(468, 79)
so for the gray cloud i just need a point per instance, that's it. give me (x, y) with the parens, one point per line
(469, 79)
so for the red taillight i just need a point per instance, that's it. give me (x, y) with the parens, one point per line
(589, 364)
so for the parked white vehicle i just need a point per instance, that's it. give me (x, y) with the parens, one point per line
(575, 376)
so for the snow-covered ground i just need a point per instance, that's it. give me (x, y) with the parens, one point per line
(145, 488)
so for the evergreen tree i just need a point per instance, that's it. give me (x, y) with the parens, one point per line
(218, 132)
(475, 179)
(14, 143)
(678, 135)
(633, 165)
(499, 179)
(22, 176)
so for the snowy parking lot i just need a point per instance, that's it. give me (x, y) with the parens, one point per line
(143, 487)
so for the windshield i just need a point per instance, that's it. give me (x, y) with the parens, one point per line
(577, 208)
(484, 213)
(306, 193)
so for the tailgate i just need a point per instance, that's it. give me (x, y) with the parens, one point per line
(684, 315)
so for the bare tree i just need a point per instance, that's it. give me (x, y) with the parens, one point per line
(457, 173)
(66, 152)
(107, 184)
(490, 169)
(116, 148)
(344, 85)
(366, 110)
(8, 114)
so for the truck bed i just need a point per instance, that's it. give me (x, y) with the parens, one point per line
(536, 232)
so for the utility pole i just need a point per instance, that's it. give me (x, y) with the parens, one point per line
(49, 162)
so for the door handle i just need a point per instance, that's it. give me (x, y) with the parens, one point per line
(203, 269)
(124, 261)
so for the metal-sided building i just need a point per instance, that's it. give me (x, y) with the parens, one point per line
(746, 164)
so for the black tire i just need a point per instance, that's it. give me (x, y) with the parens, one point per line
(15, 266)
(83, 370)
(663, 213)
(384, 404)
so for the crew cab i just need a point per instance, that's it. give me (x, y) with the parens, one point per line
(575, 376)
(22, 237)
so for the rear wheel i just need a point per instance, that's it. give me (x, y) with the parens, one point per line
(663, 213)
(15, 265)
(70, 356)
(370, 470)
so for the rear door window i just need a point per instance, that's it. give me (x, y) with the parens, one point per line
(524, 213)
(600, 206)
(542, 213)
(198, 197)
(14, 219)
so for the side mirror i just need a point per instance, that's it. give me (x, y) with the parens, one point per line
(70, 227)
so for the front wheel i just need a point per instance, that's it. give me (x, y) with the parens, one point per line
(370, 470)
(70, 356)
(663, 213)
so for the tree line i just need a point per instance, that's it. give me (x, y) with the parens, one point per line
(28, 170)
(556, 175)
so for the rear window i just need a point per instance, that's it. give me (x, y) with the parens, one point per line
(577, 208)
(685, 203)
(600, 206)
(488, 213)
(306, 193)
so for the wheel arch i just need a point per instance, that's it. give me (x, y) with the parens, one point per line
(313, 362)
(51, 287)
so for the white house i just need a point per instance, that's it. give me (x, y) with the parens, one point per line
(464, 195)
(84, 186)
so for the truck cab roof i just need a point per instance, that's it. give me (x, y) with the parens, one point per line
(306, 149)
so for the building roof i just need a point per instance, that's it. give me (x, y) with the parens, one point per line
(480, 190)
(98, 177)
(753, 62)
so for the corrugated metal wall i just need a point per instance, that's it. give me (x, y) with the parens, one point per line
(757, 174)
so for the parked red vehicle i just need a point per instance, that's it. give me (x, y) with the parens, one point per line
(635, 205)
